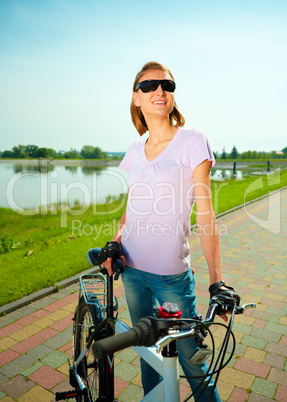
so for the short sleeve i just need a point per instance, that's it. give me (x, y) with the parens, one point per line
(200, 150)
(126, 162)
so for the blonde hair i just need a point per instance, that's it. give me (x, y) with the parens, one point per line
(175, 117)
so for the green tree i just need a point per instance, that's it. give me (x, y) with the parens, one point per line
(284, 150)
(19, 151)
(223, 155)
(234, 153)
(7, 154)
(90, 152)
(31, 150)
(52, 153)
(87, 151)
(72, 154)
(42, 153)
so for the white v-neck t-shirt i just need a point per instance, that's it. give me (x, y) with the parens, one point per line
(160, 201)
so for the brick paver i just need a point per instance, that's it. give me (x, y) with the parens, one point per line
(47, 377)
(36, 340)
(17, 386)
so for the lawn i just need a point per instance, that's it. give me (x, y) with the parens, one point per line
(39, 250)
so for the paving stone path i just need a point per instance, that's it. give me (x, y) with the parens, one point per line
(35, 341)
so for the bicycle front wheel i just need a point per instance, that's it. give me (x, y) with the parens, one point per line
(90, 369)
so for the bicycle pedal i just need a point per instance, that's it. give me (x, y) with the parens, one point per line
(62, 396)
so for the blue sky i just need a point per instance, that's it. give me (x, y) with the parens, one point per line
(67, 69)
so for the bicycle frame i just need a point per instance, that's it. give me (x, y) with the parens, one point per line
(168, 389)
(163, 360)
(168, 367)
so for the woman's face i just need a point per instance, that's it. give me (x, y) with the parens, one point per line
(157, 103)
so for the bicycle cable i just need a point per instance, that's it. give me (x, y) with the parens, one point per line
(220, 365)
(210, 365)
(223, 349)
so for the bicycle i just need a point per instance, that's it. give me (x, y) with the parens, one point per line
(153, 338)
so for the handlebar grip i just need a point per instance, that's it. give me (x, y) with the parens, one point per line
(142, 334)
(92, 257)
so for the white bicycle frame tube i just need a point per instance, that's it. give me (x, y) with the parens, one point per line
(168, 389)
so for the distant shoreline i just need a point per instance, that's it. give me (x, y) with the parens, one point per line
(228, 164)
(61, 162)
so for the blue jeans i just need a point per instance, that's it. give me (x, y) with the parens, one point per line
(143, 290)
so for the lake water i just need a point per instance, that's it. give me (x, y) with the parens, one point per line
(28, 186)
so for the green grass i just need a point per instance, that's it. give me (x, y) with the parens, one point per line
(231, 193)
(39, 250)
(44, 252)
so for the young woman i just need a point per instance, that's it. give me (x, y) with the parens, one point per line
(168, 171)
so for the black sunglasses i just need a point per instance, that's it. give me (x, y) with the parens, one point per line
(152, 85)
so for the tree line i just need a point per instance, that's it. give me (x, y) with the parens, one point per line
(91, 152)
(234, 154)
(33, 151)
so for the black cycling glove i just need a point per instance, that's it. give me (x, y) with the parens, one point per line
(215, 290)
(112, 249)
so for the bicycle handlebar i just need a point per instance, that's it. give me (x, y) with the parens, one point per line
(142, 334)
(148, 330)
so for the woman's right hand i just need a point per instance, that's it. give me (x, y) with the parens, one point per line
(112, 250)
(108, 264)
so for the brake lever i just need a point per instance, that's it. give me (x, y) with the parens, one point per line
(240, 310)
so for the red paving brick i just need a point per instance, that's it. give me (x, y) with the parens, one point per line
(27, 344)
(62, 387)
(279, 376)
(238, 395)
(200, 308)
(10, 329)
(40, 313)
(283, 340)
(137, 362)
(250, 262)
(66, 347)
(47, 333)
(63, 323)
(183, 391)
(47, 377)
(120, 385)
(281, 394)
(242, 291)
(71, 298)
(252, 367)
(70, 352)
(203, 293)
(55, 306)
(17, 386)
(273, 303)
(274, 360)
(276, 348)
(7, 356)
(259, 323)
(248, 312)
(261, 282)
(27, 320)
(119, 291)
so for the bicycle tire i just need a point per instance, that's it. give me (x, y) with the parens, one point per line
(91, 370)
